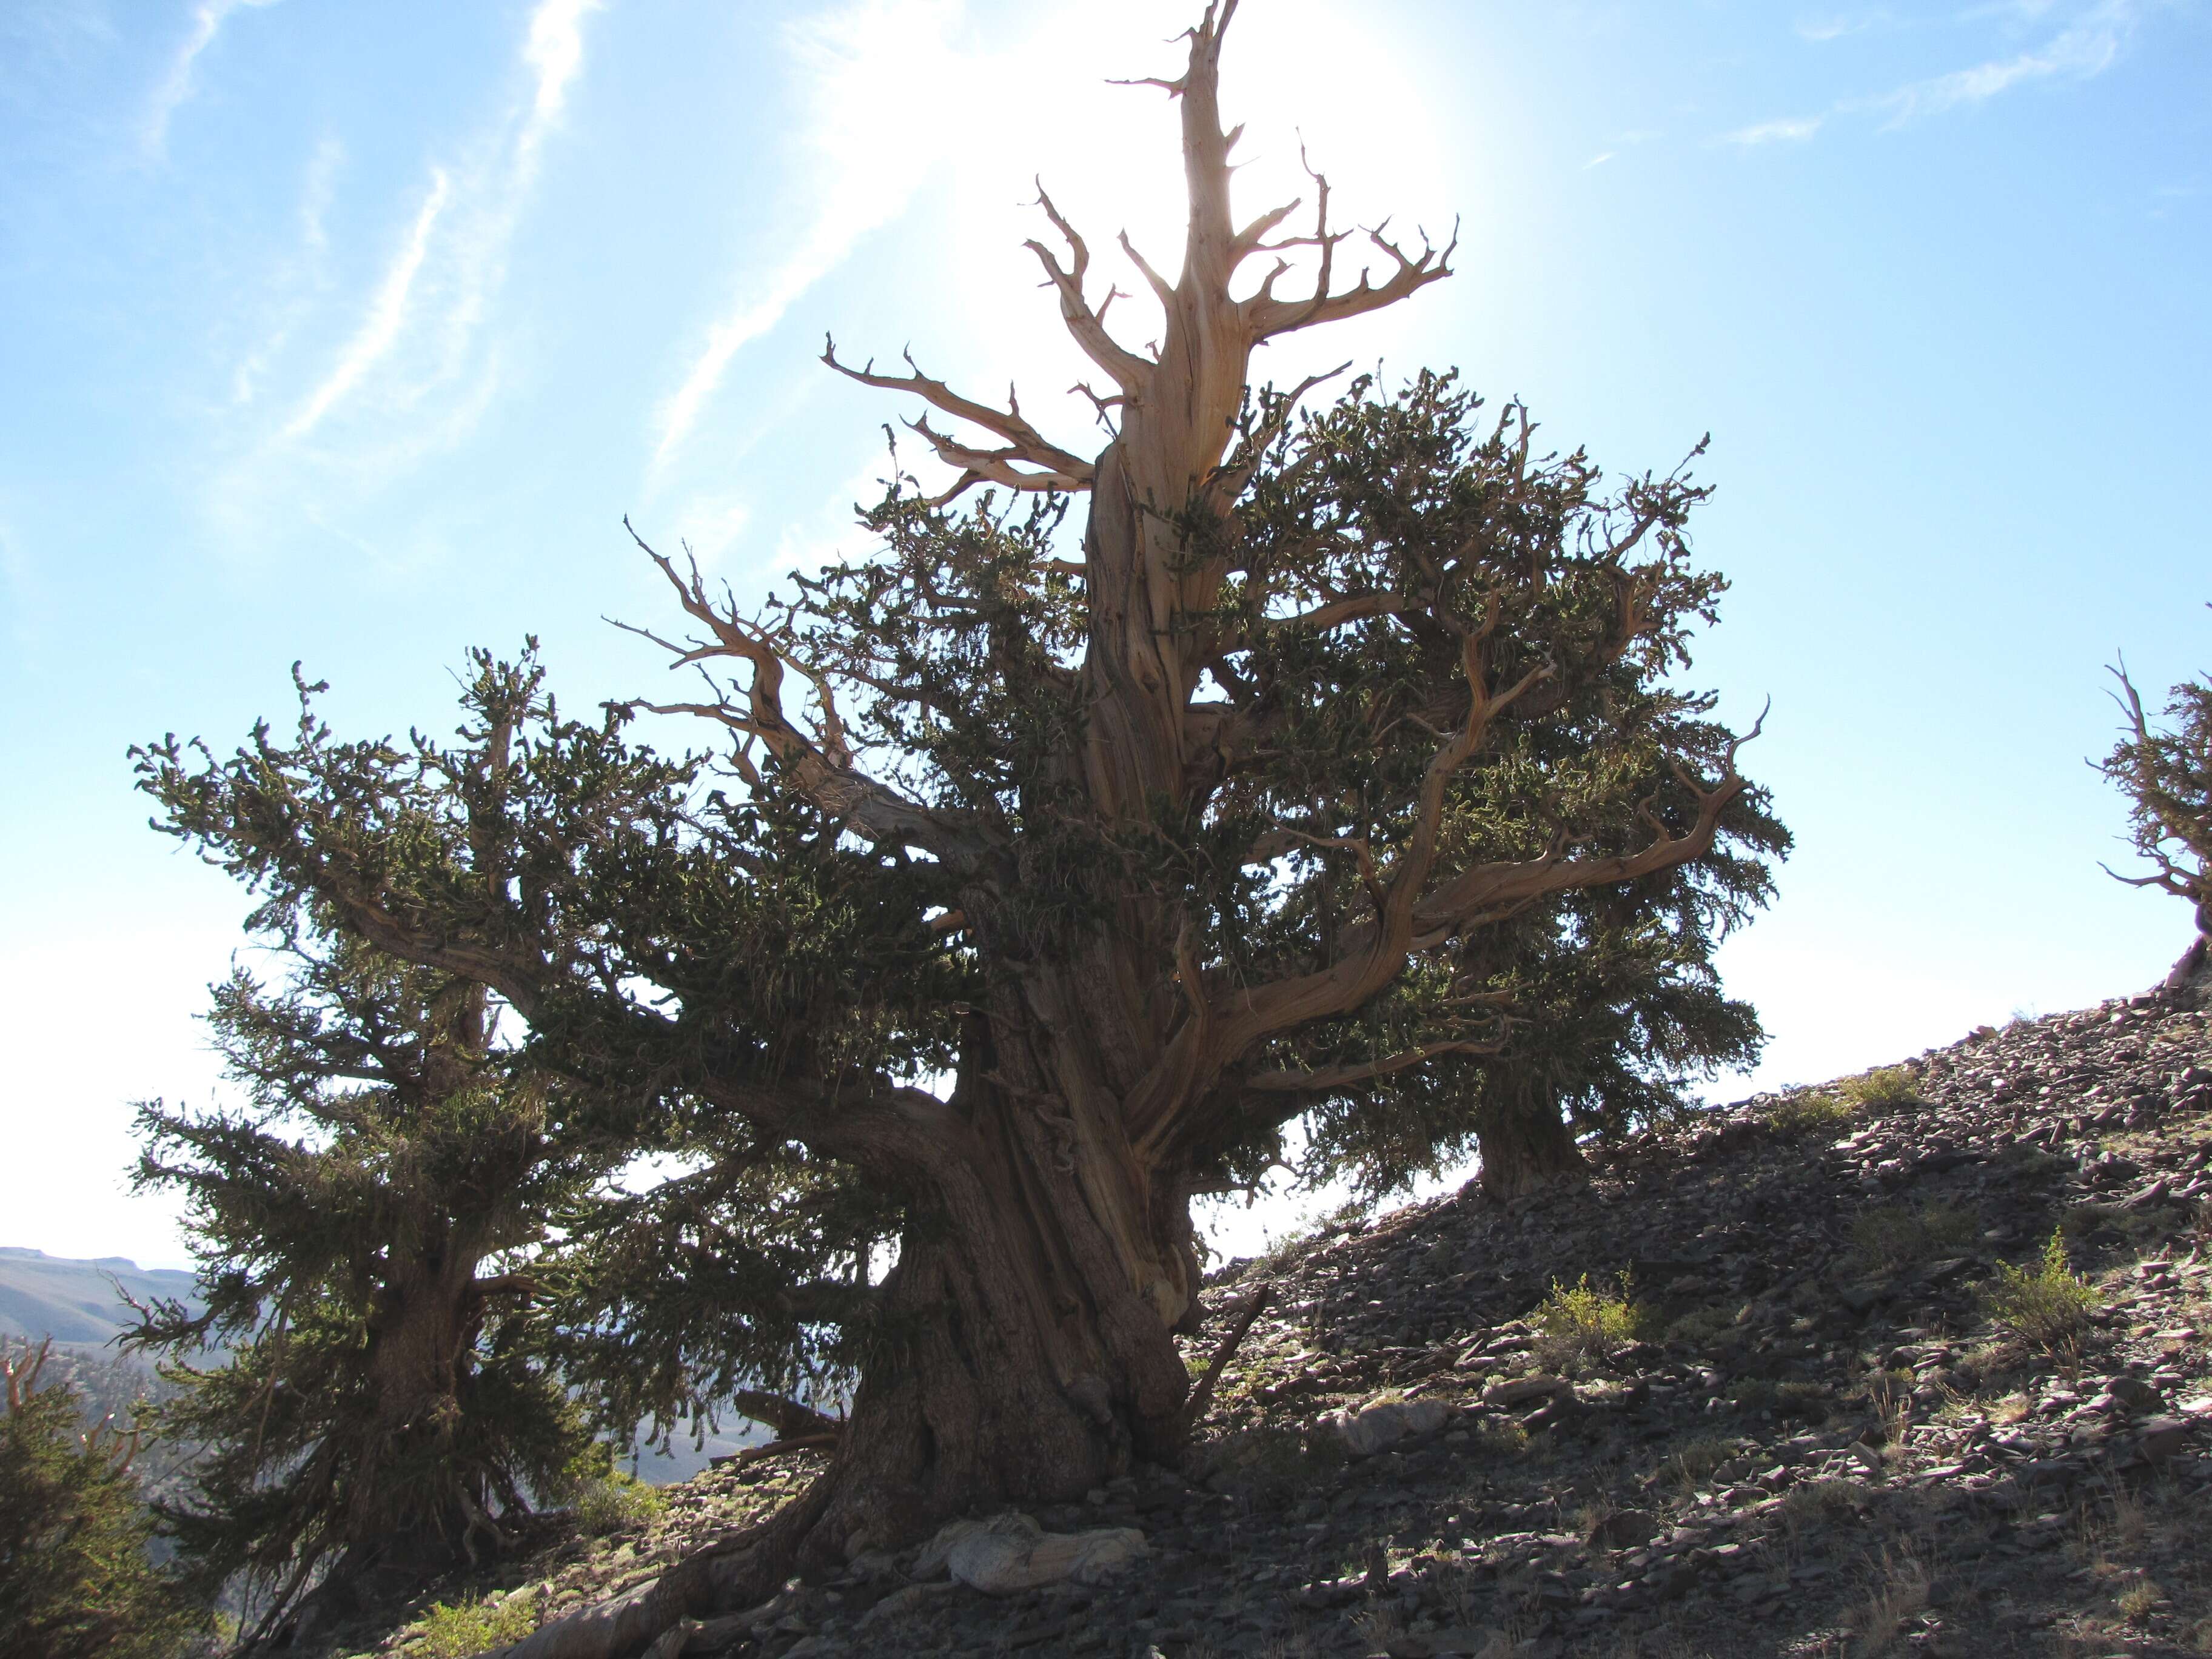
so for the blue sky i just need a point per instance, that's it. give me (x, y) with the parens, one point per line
(348, 334)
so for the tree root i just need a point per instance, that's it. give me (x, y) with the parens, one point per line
(1194, 1410)
(747, 1567)
(738, 1460)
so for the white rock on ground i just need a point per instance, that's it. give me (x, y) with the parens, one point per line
(1378, 1427)
(1011, 1552)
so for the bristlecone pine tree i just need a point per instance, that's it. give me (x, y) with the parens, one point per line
(76, 1580)
(365, 1227)
(1242, 812)
(2166, 772)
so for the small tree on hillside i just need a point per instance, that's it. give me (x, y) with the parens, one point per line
(1155, 844)
(2166, 772)
(365, 1226)
(1611, 1008)
(76, 1580)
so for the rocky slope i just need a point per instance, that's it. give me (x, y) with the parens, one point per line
(1812, 1431)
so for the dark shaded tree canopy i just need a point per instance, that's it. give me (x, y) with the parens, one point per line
(2165, 770)
(365, 1377)
(75, 1579)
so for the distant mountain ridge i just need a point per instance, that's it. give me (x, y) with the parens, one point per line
(74, 1300)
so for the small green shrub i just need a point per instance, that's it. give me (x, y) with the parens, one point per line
(1701, 1326)
(1579, 1322)
(1803, 1402)
(2140, 1226)
(615, 1502)
(2031, 1161)
(1820, 1501)
(1885, 1088)
(1814, 1109)
(475, 1627)
(2044, 1305)
(2140, 1600)
(1892, 1237)
(1806, 1402)
(1502, 1437)
(1698, 1459)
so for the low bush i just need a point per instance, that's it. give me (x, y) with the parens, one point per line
(474, 1627)
(1502, 1437)
(1885, 1088)
(1820, 1501)
(2044, 1305)
(1698, 1459)
(1811, 1110)
(1578, 1322)
(1701, 1326)
(1805, 1402)
(615, 1502)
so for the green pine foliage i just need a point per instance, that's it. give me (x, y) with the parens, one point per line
(76, 1578)
(2045, 1304)
(664, 934)
(700, 954)
(1598, 1005)
(2165, 770)
(370, 1377)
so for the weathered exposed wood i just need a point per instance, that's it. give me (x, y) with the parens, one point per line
(1201, 1397)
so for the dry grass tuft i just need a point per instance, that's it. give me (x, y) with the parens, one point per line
(1899, 1591)
(1892, 1237)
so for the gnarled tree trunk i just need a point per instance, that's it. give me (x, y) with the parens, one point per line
(422, 1335)
(1025, 1340)
(1522, 1148)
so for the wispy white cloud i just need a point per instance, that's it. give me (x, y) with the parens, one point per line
(555, 52)
(420, 366)
(176, 84)
(2085, 38)
(2084, 47)
(387, 313)
(861, 65)
(1821, 30)
(1793, 130)
(316, 190)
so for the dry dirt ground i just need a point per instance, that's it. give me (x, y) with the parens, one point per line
(1819, 1438)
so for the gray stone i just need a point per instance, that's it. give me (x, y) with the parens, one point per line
(2165, 1436)
(1379, 1427)
(1011, 1552)
(1526, 1390)
(2135, 1394)
(1626, 1529)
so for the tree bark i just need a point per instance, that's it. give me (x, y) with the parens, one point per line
(421, 1335)
(2190, 966)
(1525, 1147)
(1026, 1336)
